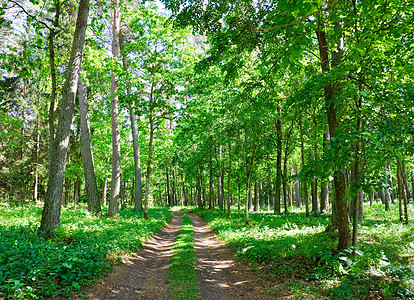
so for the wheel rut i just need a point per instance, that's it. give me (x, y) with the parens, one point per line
(220, 276)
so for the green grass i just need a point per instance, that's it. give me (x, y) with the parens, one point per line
(300, 255)
(182, 278)
(84, 249)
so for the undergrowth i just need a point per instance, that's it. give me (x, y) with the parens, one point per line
(300, 254)
(182, 278)
(84, 249)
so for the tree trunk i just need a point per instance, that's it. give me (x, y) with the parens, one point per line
(302, 151)
(113, 208)
(210, 198)
(278, 159)
(36, 173)
(315, 200)
(169, 202)
(59, 147)
(297, 187)
(256, 197)
(183, 202)
(228, 184)
(148, 177)
(51, 47)
(248, 199)
(135, 137)
(92, 196)
(222, 183)
(325, 184)
(344, 236)
(219, 196)
(104, 192)
(391, 185)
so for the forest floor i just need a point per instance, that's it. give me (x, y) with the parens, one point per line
(144, 274)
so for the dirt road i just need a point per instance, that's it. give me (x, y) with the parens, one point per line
(145, 273)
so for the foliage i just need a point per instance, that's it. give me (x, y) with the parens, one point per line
(182, 278)
(85, 246)
(297, 247)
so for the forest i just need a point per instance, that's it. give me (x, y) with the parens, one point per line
(286, 125)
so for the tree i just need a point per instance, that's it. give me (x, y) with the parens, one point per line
(113, 208)
(90, 178)
(51, 210)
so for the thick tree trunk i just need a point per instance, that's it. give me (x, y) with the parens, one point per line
(92, 196)
(344, 236)
(59, 147)
(113, 208)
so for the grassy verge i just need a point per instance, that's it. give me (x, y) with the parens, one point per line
(83, 250)
(297, 253)
(183, 279)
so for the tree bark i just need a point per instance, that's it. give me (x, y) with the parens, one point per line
(58, 154)
(51, 47)
(113, 208)
(344, 236)
(92, 196)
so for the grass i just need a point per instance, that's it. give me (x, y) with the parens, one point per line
(183, 280)
(84, 249)
(299, 255)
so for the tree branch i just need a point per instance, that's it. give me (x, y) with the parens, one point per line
(30, 15)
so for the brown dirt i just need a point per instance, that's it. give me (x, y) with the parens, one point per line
(145, 274)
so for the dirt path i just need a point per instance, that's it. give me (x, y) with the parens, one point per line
(145, 274)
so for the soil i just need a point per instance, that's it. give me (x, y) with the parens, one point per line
(144, 275)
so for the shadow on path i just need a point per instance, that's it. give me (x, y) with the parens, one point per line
(144, 274)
